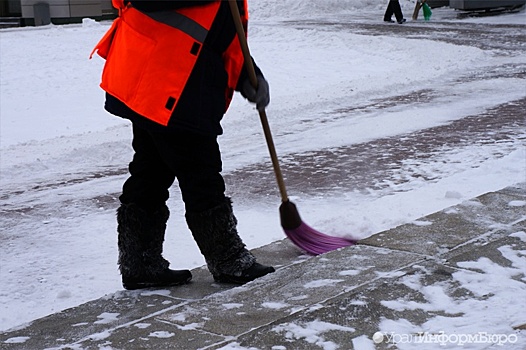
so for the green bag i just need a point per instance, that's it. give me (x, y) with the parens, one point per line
(427, 11)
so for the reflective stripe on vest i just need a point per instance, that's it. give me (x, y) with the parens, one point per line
(183, 23)
(149, 57)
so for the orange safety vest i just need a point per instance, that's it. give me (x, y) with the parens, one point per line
(150, 56)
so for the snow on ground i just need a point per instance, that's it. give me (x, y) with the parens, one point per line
(489, 284)
(58, 241)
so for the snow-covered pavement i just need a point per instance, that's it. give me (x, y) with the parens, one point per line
(376, 125)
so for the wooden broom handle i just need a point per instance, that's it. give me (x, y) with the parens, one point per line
(249, 65)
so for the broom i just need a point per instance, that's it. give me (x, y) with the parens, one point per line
(302, 235)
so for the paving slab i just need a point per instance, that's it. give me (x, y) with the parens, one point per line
(518, 190)
(353, 316)
(490, 215)
(402, 309)
(288, 290)
(91, 318)
(149, 334)
(504, 252)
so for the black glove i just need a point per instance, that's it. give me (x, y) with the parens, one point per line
(261, 96)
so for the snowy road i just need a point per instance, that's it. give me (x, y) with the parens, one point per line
(384, 165)
(383, 142)
(387, 164)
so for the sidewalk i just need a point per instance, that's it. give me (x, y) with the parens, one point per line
(410, 278)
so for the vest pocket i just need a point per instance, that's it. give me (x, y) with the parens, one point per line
(126, 63)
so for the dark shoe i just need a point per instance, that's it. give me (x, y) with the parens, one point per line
(215, 232)
(388, 20)
(140, 242)
(402, 21)
(167, 278)
(255, 271)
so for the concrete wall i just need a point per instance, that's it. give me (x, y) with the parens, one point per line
(484, 4)
(65, 11)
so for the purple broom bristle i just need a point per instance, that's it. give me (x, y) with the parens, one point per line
(315, 242)
(304, 236)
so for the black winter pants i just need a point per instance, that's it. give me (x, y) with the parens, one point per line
(195, 160)
(393, 7)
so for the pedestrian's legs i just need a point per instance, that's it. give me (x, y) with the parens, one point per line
(389, 12)
(397, 10)
(150, 178)
(142, 219)
(196, 162)
(209, 214)
(394, 8)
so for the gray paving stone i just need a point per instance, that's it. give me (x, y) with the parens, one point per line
(94, 317)
(354, 317)
(497, 251)
(150, 334)
(516, 190)
(289, 289)
(438, 233)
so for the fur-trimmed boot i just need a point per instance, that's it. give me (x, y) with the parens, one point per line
(140, 241)
(215, 232)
